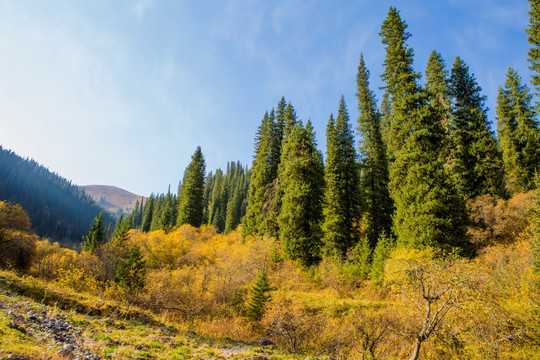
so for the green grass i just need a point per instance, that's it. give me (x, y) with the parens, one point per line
(132, 333)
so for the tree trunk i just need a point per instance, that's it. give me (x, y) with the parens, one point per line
(416, 350)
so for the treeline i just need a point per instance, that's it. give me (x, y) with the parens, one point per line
(424, 152)
(217, 199)
(57, 208)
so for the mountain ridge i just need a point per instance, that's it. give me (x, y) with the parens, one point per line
(113, 198)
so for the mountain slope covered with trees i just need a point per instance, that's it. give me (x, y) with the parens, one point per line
(57, 208)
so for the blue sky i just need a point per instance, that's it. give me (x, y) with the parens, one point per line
(121, 92)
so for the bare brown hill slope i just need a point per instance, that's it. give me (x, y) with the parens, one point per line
(112, 198)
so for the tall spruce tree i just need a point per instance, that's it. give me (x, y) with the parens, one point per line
(301, 174)
(534, 39)
(438, 93)
(234, 204)
(208, 188)
(401, 89)
(167, 219)
(342, 175)
(272, 197)
(252, 222)
(519, 133)
(378, 205)
(121, 229)
(476, 164)
(290, 118)
(278, 133)
(218, 201)
(148, 212)
(191, 196)
(96, 235)
(428, 210)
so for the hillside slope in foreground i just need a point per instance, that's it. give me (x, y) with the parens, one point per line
(39, 320)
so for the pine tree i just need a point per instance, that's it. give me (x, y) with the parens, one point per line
(96, 235)
(252, 222)
(476, 165)
(121, 229)
(375, 176)
(191, 196)
(147, 215)
(218, 201)
(534, 39)
(385, 111)
(519, 133)
(234, 205)
(342, 176)
(438, 93)
(167, 218)
(400, 79)
(258, 297)
(428, 210)
(272, 196)
(208, 188)
(301, 175)
(155, 224)
(290, 118)
(131, 272)
(134, 214)
(278, 133)
(385, 244)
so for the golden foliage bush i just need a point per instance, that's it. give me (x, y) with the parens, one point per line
(291, 324)
(197, 271)
(496, 220)
(51, 260)
(17, 245)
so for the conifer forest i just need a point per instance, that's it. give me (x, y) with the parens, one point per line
(415, 235)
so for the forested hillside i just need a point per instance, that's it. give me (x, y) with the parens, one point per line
(58, 209)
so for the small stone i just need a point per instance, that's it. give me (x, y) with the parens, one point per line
(64, 352)
(15, 326)
(16, 357)
(265, 342)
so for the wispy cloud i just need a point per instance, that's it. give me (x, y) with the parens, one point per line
(141, 7)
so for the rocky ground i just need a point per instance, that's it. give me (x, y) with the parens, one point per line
(31, 330)
(44, 326)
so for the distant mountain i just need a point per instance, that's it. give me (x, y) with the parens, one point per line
(57, 208)
(113, 199)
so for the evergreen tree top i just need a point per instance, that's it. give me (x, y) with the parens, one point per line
(465, 88)
(398, 73)
(436, 75)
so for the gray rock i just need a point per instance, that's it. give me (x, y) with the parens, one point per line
(16, 326)
(16, 357)
(65, 352)
(265, 342)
